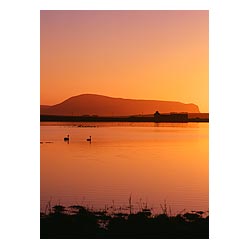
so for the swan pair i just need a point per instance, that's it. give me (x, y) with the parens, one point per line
(67, 138)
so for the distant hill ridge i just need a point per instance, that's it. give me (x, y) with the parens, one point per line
(93, 104)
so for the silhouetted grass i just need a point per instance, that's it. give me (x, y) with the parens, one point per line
(78, 222)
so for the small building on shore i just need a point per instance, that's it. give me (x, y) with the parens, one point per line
(171, 117)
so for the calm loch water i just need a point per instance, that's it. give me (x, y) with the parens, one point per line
(151, 162)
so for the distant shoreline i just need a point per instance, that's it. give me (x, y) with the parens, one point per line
(201, 117)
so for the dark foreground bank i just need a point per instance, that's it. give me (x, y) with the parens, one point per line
(78, 222)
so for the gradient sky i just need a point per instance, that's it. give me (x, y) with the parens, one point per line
(156, 55)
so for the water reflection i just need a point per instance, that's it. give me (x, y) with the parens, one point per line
(153, 163)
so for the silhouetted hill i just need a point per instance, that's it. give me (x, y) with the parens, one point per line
(91, 104)
(43, 108)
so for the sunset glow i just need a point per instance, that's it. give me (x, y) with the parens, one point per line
(155, 55)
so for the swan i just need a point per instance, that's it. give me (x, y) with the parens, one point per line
(66, 138)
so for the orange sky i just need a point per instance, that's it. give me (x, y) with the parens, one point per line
(157, 55)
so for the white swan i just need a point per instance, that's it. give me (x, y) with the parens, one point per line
(66, 138)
